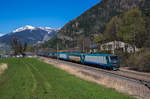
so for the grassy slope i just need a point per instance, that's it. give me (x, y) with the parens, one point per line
(32, 79)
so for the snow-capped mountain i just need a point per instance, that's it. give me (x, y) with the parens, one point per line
(29, 34)
(1, 35)
(28, 27)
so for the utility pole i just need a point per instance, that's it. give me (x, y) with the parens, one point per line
(83, 46)
(57, 51)
(57, 48)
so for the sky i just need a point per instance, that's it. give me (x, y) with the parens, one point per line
(40, 13)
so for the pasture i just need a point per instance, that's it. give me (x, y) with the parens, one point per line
(29, 78)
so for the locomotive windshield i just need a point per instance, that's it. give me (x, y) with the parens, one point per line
(113, 58)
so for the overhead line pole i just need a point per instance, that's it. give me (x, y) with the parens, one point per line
(57, 50)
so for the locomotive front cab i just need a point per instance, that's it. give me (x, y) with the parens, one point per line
(114, 61)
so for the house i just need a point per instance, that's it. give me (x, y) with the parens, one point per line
(114, 45)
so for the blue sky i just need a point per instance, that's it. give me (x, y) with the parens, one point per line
(51, 13)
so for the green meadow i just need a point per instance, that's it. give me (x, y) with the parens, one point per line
(29, 78)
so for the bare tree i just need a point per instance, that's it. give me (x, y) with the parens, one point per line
(18, 47)
(83, 43)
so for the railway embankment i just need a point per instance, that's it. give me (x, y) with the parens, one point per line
(110, 80)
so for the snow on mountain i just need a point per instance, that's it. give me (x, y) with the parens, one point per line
(49, 29)
(1, 35)
(28, 27)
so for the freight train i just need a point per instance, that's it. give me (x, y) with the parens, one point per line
(106, 61)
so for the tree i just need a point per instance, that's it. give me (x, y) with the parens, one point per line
(131, 29)
(99, 39)
(83, 43)
(18, 47)
(30, 48)
(112, 29)
(23, 48)
(15, 46)
(147, 29)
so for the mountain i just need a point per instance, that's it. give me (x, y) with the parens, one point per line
(94, 20)
(29, 34)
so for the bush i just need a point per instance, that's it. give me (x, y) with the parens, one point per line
(123, 56)
(103, 52)
(140, 62)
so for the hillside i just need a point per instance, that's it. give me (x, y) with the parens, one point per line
(94, 20)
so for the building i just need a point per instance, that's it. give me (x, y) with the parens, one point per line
(114, 45)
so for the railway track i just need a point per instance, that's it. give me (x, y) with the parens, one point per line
(142, 81)
(141, 75)
(119, 74)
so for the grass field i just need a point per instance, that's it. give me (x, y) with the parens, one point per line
(32, 79)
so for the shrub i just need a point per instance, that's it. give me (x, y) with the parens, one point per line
(103, 52)
(140, 62)
(123, 56)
